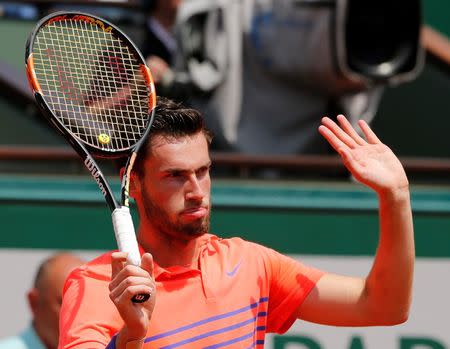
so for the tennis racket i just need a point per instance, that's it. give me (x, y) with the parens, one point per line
(92, 84)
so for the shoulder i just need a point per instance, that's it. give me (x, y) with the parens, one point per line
(260, 255)
(243, 245)
(231, 244)
(98, 269)
(236, 246)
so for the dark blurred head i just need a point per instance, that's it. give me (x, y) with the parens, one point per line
(152, 5)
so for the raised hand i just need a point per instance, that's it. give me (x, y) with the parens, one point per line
(128, 281)
(369, 160)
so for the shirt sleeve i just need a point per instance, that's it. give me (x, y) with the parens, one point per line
(88, 318)
(290, 282)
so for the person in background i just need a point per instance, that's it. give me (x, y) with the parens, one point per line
(268, 70)
(44, 300)
(159, 46)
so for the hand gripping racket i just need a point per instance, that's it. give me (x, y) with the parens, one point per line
(92, 84)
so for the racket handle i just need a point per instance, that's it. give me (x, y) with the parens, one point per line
(125, 235)
(126, 241)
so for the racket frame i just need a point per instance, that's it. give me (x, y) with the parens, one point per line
(85, 150)
(120, 211)
(115, 31)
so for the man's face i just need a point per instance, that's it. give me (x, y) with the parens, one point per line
(174, 195)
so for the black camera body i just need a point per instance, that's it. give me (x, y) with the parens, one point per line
(378, 40)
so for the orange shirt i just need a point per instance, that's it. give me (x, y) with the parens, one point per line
(240, 291)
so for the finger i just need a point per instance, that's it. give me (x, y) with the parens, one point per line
(147, 263)
(126, 272)
(347, 127)
(370, 135)
(130, 282)
(339, 132)
(331, 138)
(132, 291)
(118, 260)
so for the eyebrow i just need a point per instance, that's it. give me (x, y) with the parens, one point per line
(176, 169)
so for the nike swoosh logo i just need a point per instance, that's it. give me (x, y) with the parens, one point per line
(235, 269)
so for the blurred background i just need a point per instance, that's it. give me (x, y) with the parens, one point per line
(263, 72)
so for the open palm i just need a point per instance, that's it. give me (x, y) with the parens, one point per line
(369, 160)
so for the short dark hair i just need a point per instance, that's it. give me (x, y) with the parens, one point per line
(172, 120)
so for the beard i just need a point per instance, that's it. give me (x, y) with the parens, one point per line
(163, 223)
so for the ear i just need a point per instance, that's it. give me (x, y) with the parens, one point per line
(121, 172)
(33, 299)
(135, 185)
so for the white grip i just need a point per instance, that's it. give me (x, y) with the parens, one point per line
(125, 235)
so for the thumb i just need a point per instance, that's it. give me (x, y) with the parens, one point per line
(147, 263)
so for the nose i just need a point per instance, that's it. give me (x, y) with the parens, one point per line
(194, 189)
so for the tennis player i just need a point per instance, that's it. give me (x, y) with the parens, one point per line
(208, 292)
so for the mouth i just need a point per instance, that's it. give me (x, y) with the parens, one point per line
(195, 212)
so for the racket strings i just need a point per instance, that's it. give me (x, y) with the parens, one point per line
(93, 82)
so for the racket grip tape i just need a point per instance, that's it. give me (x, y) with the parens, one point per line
(126, 241)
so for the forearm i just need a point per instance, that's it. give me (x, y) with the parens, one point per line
(389, 284)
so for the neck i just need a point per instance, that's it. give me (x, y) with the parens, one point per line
(40, 333)
(168, 250)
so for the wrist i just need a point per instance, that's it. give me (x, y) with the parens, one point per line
(127, 340)
(393, 195)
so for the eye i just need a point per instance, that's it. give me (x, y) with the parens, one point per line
(203, 171)
(175, 174)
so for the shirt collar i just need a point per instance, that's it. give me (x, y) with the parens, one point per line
(177, 270)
